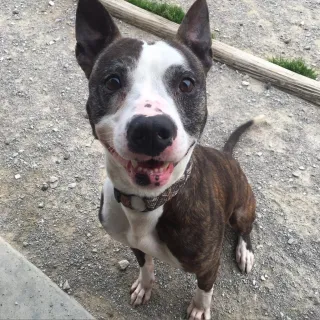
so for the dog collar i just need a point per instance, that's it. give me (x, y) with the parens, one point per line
(145, 204)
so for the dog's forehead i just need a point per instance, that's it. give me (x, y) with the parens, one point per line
(158, 57)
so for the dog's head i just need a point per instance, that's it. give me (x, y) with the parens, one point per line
(147, 101)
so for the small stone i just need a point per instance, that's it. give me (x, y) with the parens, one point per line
(51, 3)
(307, 48)
(25, 243)
(302, 23)
(296, 174)
(254, 282)
(291, 241)
(16, 303)
(88, 235)
(66, 156)
(94, 250)
(72, 185)
(7, 142)
(66, 286)
(53, 179)
(287, 40)
(17, 176)
(259, 154)
(54, 129)
(40, 205)
(302, 168)
(245, 83)
(263, 278)
(44, 186)
(15, 11)
(123, 264)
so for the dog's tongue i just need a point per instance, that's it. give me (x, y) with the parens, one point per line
(150, 173)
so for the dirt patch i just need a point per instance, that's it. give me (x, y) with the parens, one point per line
(43, 94)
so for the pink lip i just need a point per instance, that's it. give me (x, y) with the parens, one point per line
(158, 172)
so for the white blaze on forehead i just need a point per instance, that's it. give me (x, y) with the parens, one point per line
(154, 60)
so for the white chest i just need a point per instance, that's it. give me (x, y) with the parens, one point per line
(135, 229)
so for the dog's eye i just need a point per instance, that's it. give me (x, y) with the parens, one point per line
(113, 83)
(186, 85)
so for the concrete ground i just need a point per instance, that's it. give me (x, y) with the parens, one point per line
(51, 172)
(26, 293)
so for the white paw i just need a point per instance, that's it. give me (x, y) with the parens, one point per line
(142, 287)
(198, 314)
(199, 307)
(245, 257)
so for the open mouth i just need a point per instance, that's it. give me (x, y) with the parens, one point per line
(145, 173)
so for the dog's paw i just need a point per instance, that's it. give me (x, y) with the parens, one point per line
(199, 307)
(195, 313)
(244, 256)
(142, 287)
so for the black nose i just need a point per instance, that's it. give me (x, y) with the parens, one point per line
(150, 135)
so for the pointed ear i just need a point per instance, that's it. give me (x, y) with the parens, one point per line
(95, 30)
(195, 33)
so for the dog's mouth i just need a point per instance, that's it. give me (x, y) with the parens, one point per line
(151, 173)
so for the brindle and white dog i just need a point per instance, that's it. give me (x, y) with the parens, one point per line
(166, 196)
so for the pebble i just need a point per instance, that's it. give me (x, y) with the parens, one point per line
(302, 168)
(53, 179)
(307, 48)
(66, 156)
(291, 241)
(16, 303)
(72, 185)
(254, 282)
(263, 278)
(51, 3)
(15, 11)
(287, 40)
(44, 186)
(94, 250)
(25, 243)
(53, 182)
(66, 286)
(259, 154)
(40, 205)
(245, 83)
(296, 174)
(7, 142)
(123, 264)
(17, 176)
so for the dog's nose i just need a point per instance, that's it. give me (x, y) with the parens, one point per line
(150, 135)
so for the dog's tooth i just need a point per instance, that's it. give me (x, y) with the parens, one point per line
(151, 171)
(156, 170)
(166, 165)
(134, 163)
(139, 169)
(145, 170)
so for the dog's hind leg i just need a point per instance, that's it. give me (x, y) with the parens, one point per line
(241, 221)
(142, 287)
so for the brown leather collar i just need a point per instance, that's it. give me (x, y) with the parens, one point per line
(149, 204)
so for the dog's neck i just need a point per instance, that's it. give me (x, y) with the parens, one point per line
(145, 204)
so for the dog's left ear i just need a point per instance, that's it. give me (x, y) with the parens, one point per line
(95, 30)
(195, 33)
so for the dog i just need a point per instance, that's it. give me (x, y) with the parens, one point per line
(165, 196)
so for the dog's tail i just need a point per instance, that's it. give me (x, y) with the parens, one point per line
(235, 136)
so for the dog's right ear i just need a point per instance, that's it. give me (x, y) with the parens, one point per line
(95, 30)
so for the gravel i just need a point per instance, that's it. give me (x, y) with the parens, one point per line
(42, 88)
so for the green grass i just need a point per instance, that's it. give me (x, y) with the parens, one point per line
(169, 11)
(295, 65)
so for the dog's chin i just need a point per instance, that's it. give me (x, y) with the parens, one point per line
(150, 174)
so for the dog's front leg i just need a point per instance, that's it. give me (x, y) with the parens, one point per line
(199, 307)
(141, 288)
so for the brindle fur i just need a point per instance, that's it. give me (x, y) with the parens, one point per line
(193, 223)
